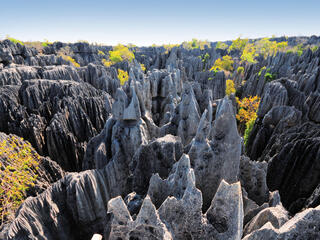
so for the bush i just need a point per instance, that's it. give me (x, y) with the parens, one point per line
(15, 41)
(17, 173)
(65, 53)
(249, 127)
(249, 54)
(238, 44)
(221, 45)
(123, 76)
(120, 53)
(247, 109)
(261, 69)
(38, 45)
(106, 63)
(143, 68)
(100, 53)
(71, 60)
(230, 87)
(314, 48)
(195, 43)
(226, 64)
(240, 70)
(268, 77)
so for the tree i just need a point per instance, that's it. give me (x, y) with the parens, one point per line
(238, 44)
(221, 45)
(247, 109)
(230, 87)
(123, 76)
(120, 53)
(226, 64)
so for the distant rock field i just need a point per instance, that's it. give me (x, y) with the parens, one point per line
(148, 144)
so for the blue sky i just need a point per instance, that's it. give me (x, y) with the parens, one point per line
(145, 22)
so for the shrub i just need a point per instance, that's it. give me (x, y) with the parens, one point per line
(65, 53)
(226, 64)
(261, 69)
(249, 127)
(240, 70)
(106, 62)
(195, 43)
(71, 60)
(123, 76)
(238, 44)
(169, 46)
(38, 45)
(247, 109)
(249, 54)
(100, 53)
(263, 47)
(17, 173)
(221, 45)
(314, 48)
(120, 53)
(15, 41)
(230, 87)
(143, 68)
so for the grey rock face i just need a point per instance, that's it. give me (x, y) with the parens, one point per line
(218, 158)
(253, 179)
(157, 157)
(305, 222)
(147, 225)
(57, 117)
(180, 210)
(226, 211)
(75, 207)
(277, 216)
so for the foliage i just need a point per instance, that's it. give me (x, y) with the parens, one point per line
(195, 43)
(106, 62)
(65, 53)
(120, 53)
(238, 44)
(143, 67)
(123, 76)
(249, 127)
(240, 70)
(226, 64)
(205, 58)
(17, 173)
(261, 69)
(247, 109)
(249, 54)
(169, 46)
(268, 77)
(230, 87)
(221, 45)
(314, 48)
(71, 60)
(100, 53)
(263, 47)
(38, 45)
(15, 41)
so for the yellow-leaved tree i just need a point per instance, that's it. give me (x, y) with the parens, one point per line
(225, 63)
(123, 76)
(230, 87)
(247, 114)
(120, 53)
